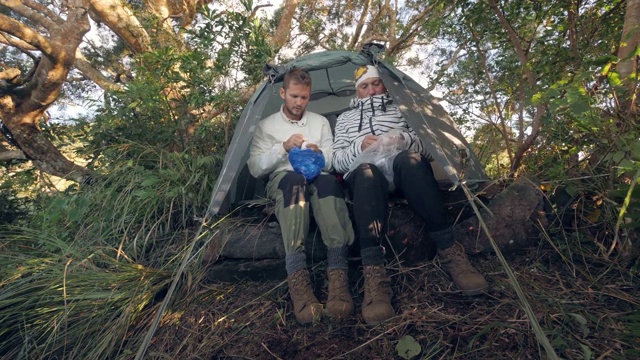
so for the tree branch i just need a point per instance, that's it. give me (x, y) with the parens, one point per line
(27, 11)
(371, 32)
(444, 69)
(12, 155)
(536, 123)
(503, 123)
(281, 35)
(393, 13)
(412, 29)
(123, 22)
(358, 30)
(522, 56)
(52, 70)
(629, 42)
(16, 43)
(255, 9)
(572, 13)
(528, 142)
(26, 34)
(26, 105)
(25, 48)
(521, 124)
(44, 10)
(93, 74)
(9, 74)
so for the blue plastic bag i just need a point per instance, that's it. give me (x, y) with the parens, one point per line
(306, 162)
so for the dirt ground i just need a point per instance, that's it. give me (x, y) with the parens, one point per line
(587, 307)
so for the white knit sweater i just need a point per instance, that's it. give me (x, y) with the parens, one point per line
(267, 153)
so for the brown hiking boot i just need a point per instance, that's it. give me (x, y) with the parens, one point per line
(455, 262)
(306, 306)
(339, 302)
(376, 306)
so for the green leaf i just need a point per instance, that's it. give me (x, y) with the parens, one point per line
(583, 323)
(617, 156)
(626, 165)
(586, 352)
(559, 343)
(603, 60)
(149, 181)
(571, 190)
(579, 107)
(144, 194)
(614, 78)
(535, 99)
(635, 150)
(553, 92)
(408, 347)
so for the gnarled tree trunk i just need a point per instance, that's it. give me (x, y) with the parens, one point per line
(24, 99)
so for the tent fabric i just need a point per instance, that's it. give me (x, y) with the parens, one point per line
(332, 89)
(436, 128)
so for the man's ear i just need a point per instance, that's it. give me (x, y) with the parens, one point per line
(282, 92)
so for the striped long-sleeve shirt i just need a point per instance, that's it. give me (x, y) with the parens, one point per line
(376, 115)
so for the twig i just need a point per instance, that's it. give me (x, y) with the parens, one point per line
(537, 329)
(269, 351)
(371, 340)
(623, 210)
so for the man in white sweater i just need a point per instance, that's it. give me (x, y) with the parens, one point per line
(374, 117)
(275, 136)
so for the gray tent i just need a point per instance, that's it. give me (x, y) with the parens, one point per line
(332, 89)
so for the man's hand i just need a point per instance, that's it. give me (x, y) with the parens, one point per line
(295, 140)
(313, 147)
(367, 141)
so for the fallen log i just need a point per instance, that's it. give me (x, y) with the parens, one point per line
(514, 216)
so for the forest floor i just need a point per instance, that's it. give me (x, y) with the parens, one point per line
(587, 306)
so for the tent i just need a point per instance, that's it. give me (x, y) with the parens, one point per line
(332, 89)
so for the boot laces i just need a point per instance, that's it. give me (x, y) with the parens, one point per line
(337, 282)
(377, 285)
(456, 260)
(300, 284)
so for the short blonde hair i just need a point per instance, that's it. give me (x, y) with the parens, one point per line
(298, 76)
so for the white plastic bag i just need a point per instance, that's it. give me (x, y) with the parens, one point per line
(382, 153)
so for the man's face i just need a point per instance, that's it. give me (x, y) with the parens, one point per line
(296, 97)
(370, 87)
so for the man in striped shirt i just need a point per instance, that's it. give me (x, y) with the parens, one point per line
(373, 117)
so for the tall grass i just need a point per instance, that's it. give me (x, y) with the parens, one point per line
(69, 301)
(141, 207)
(84, 281)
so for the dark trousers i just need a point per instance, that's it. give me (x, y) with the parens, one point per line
(414, 180)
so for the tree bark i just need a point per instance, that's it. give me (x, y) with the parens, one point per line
(283, 31)
(123, 22)
(628, 63)
(23, 105)
(12, 155)
(358, 31)
(6, 151)
(514, 217)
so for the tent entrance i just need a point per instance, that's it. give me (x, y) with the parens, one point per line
(332, 90)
